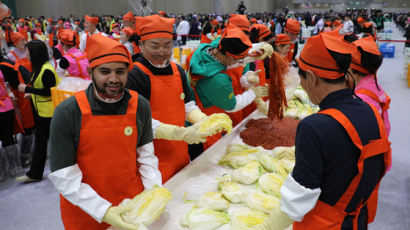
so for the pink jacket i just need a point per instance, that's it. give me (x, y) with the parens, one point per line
(78, 63)
(5, 101)
(369, 83)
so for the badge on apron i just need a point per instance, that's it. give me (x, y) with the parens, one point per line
(128, 131)
(182, 96)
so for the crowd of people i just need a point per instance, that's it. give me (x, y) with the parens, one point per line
(127, 131)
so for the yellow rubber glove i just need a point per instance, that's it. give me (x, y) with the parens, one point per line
(261, 105)
(277, 220)
(190, 135)
(113, 217)
(260, 91)
(195, 116)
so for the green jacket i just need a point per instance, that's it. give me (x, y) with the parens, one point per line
(215, 88)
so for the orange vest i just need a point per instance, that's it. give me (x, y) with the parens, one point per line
(22, 61)
(291, 52)
(26, 112)
(168, 106)
(107, 157)
(327, 217)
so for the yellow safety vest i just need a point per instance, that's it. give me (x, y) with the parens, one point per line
(43, 104)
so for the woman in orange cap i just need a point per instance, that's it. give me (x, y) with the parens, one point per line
(90, 28)
(366, 60)
(166, 86)
(292, 30)
(101, 143)
(17, 53)
(333, 185)
(115, 32)
(73, 60)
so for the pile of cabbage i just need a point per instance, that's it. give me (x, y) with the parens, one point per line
(247, 194)
(299, 105)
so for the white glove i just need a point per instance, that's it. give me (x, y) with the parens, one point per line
(250, 79)
(148, 166)
(261, 105)
(261, 50)
(260, 91)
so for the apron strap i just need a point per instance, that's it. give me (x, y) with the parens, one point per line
(83, 103)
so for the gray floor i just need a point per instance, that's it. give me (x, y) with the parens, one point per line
(36, 206)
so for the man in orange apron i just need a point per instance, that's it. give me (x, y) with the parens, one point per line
(166, 87)
(90, 28)
(334, 184)
(292, 29)
(101, 149)
(210, 31)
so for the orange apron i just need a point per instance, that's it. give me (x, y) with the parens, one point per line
(107, 157)
(26, 112)
(291, 52)
(23, 61)
(168, 106)
(137, 49)
(326, 217)
(236, 117)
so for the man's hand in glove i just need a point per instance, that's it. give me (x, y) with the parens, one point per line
(113, 217)
(260, 91)
(261, 105)
(190, 135)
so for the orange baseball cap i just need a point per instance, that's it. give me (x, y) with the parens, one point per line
(366, 44)
(214, 22)
(155, 26)
(240, 21)
(282, 39)
(263, 30)
(315, 55)
(92, 20)
(128, 17)
(234, 42)
(292, 26)
(16, 38)
(254, 21)
(101, 49)
(162, 13)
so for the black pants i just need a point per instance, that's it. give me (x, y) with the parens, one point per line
(42, 133)
(6, 128)
(183, 41)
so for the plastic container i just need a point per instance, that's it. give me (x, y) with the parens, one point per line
(387, 50)
(58, 95)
